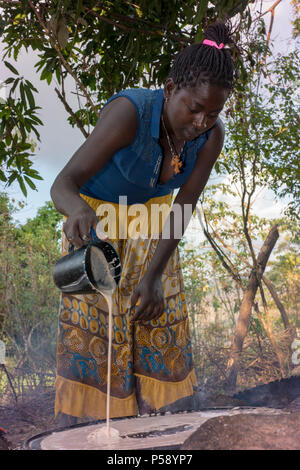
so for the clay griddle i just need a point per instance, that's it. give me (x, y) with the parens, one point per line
(167, 431)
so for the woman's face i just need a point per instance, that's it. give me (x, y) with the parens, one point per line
(192, 111)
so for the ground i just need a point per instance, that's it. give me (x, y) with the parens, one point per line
(247, 432)
(34, 414)
(31, 415)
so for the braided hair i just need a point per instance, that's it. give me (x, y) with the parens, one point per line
(200, 63)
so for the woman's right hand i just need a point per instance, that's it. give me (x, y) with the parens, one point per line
(78, 227)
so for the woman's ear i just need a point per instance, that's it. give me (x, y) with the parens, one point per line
(169, 88)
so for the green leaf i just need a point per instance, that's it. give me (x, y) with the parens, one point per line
(199, 36)
(22, 94)
(31, 86)
(11, 68)
(201, 11)
(34, 174)
(29, 96)
(49, 78)
(22, 185)
(36, 132)
(58, 77)
(2, 176)
(29, 182)
(44, 74)
(2, 127)
(14, 86)
(12, 178)
(9, 80)
(35, 120)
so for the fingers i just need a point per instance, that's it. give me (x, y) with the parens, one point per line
(149, 311)
(72, 234)
(84, 231)
(78, 229)
(154, 313)
(142, 311)
(158, 311)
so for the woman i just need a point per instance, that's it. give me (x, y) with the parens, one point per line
(145, 144)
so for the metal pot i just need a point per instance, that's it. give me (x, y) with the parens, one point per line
(93, 268)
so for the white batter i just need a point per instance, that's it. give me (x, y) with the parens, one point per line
(106, 435)
(86, 437)
(108, 432)
(104, 279)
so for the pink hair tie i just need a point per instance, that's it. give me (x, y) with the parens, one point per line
(208, 42)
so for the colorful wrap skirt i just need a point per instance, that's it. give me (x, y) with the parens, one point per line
(152, 364)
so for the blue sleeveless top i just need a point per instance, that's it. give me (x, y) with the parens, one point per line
(133, 171)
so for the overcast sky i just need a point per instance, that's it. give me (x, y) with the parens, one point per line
(59, 140)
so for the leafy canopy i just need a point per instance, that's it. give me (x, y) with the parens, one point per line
(103, 46)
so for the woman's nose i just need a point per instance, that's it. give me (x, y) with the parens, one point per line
(200, 121)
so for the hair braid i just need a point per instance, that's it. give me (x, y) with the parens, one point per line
(200, 63)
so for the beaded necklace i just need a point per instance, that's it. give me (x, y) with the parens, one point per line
(176, 163)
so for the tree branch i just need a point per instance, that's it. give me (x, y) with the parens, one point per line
(71, 112)
(135, 22)
(63, 60)
(247, 304)
(220, 254)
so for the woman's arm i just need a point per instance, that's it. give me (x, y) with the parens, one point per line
(151, 306)
(116, 129)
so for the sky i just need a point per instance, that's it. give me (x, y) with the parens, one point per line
(59, 140)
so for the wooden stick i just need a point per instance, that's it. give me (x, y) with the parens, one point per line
(10, 382)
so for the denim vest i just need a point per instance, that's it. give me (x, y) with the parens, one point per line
(133, 171)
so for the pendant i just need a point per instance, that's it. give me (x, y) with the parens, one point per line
(176, 163)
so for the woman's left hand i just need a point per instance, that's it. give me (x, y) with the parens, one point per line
(150, 293)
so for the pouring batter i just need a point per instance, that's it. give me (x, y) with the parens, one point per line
(106, 285)
(145, 144)
(107, 434)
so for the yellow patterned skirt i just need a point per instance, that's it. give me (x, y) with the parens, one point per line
(151, 360)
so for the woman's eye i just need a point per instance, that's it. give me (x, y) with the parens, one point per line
(195, 111)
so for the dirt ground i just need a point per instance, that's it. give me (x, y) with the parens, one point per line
(247, 432)
(29, 416)
(34, 414)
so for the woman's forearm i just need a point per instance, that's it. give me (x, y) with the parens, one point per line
(65, 196)
(161, 257)
(172, 233)
(80, 216)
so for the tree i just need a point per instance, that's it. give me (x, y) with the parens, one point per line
(260, 151)
(28, 297)
(7, 240)
(285, 273)
(18, 120)
(103, 46)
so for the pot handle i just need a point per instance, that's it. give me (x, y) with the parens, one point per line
(94, 236)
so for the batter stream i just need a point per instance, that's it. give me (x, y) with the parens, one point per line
(106, 286)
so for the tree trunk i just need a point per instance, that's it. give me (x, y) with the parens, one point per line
(267, 324)
(272, 290)
(246, 307)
